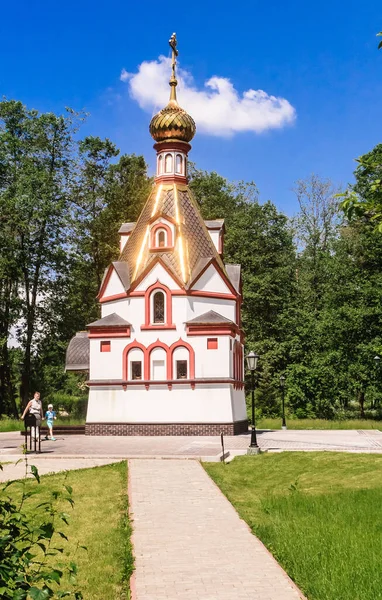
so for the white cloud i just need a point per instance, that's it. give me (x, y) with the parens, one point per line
(218, 109)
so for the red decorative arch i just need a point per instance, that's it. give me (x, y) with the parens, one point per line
(153, 231)
(151, 290)
(132, 346)
(191, 352)
(150, 348)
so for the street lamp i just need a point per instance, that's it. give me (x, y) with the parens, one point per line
(282, 385)
(377, 362)
(252, 359)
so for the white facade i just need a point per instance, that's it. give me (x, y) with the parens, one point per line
(206, 391)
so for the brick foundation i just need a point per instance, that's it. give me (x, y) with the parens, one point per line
(148, 429)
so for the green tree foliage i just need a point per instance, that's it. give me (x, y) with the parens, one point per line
(336, 316)
(257, 237)
(364, 199)
(35, 156)
(312, 285)
(31, 543)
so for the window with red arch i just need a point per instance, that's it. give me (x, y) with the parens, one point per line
(182, 360)
(158, 308)
(161, 237)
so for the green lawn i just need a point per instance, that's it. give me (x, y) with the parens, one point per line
(7, 424)
(319, 424)
(318, 513)
(98, 521)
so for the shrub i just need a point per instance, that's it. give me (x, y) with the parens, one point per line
(29, 541)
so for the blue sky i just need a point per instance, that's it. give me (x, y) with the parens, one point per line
(320, 57)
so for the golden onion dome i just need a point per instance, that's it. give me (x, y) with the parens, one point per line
(172, 122)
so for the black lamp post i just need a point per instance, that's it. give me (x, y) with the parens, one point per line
(377, 361)
(282, 385)
(252, 359)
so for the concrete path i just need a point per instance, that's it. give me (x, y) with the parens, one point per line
(46, 466)
(190, 543)
(203, 447)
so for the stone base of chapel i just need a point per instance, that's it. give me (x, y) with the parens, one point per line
(147, 429)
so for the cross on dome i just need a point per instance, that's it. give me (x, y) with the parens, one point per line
(172, 122)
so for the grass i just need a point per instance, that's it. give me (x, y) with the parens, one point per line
(7, 424)
(318, 513)
(266, 423)
(98, 521)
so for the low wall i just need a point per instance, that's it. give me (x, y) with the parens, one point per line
(147, 429)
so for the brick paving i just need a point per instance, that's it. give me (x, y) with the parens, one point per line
(189, 542)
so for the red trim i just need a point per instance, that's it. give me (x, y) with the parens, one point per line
(151, 290)
(105, 346)
(105, 282)
(146, 384)
(211, 294)
(133, 345)
(172, 145)
(157, 327)
(157, 260)
(212, 343)
(191, 355)
(211, 330)
(153, 231)
(171, 178)
(109, 332)
(152, 346)
(163, 216)
(214, 262)
(162, 249)
(111, 298)
(189, 293)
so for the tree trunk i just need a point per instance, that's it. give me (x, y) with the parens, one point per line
(361, 400)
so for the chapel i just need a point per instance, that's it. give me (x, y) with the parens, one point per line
(166, 356)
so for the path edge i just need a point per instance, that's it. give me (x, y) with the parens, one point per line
(132, 585)
(284, 573)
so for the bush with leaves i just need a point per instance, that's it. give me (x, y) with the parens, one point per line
(29, 541)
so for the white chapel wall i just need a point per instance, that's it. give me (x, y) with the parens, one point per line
(211, 281)
(114, 285)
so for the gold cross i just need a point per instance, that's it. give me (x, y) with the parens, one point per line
(173, 43)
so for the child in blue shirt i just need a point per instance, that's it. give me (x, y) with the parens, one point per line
(50, 415)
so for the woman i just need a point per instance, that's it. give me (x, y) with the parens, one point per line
(34, 407)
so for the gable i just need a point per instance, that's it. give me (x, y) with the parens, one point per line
(113, 285)
(157, 273)
(211, 281)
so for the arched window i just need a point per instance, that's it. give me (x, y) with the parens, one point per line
(158, 307)
(160, 164)
(185, 167)
(161, 239)
(168, 163)
(179, 163)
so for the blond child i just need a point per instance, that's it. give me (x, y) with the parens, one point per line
(50, 415)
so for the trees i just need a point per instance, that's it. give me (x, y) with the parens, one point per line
(36, 158)
(258, 238)
(364, 199)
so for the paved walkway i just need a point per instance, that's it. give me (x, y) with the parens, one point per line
(190, 543)
(49, 465)
(203, 447)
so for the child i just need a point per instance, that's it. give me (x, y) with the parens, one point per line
(50, 415)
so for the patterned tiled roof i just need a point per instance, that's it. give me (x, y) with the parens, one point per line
(77, 354)
(209, 318)
(177, 203)
(126, 227)
(233, 272)
(112, 320)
